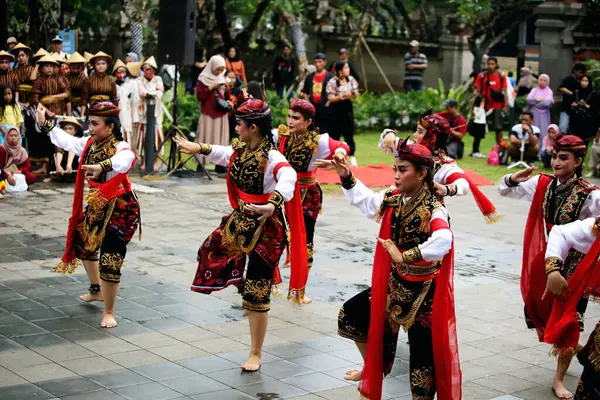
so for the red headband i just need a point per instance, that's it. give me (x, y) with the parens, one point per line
(415, 153)
(570, 143)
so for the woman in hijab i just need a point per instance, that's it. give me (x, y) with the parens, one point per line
(525, 82)
(540, 101)
(15, 166)
(211, 92)
(583, 120)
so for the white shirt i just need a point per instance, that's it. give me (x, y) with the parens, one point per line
(518, 131)
(575, 235)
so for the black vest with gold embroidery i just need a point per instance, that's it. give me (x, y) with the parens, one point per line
(299, 150)
(248, 169)
(100, 151)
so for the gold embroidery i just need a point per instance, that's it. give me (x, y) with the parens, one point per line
(299, 149)
(407, 321)
(416, 270)
(110, 266)
(276, 199)
(106, 165)
(248, 169)
(422, 378)
(553, 264)
(349, 331)
(311, 251)
(349, 182)
(247, 305)
(259, 289)
(90, 231)
(205, 149)
(412, 256)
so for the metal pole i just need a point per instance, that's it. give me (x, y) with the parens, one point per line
(149, 151)
(173, 150)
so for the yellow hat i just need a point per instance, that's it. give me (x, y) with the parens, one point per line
(134, 68)
(119, 64)
(100, 56)
(151, 62)
(59, 59)
(75, 59)
(48, 59)
(4, 54)
(20, 46)
(70, 120)
(87, 56)
(40, 53)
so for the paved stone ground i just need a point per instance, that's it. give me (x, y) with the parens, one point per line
(172, 343)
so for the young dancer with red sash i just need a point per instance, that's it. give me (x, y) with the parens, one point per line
(412, 282)
(450, 180)
(259, 182)
(556, 199)
(112, 214)
(301, 146)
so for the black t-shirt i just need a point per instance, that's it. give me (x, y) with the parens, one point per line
(572, 85)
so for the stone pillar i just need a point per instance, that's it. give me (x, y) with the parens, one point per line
(457, 59)
(555, 23)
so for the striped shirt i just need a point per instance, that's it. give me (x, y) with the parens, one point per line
(76, 81)
(26, 84)
(417, 74)
(99, 85)
(47, 86)
(9, 78)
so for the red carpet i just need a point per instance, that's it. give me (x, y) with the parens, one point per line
(383, 175)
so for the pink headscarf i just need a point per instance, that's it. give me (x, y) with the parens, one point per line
(539, 93)
(15, 155)
(555, 127)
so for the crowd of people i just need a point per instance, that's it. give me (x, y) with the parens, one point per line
(67, 86)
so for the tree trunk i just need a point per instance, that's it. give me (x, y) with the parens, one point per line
(223, 23)
(297, 35)
(242, 39)
(35, 34)
(135, 11)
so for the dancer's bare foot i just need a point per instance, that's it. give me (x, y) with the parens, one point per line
(306, 300)
(252, 364)
(89, 297)
(108, 320)
(353, 375)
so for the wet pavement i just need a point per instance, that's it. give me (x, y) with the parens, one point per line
(172, 343)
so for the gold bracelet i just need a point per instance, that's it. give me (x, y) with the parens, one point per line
(205, 149)
(411, 256)
(106, 165)
(276, 199)
(553, 264)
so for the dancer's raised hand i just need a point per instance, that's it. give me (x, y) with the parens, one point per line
(327, 165)
(389, 141)
(185, 145)
(40, 114)
(523, 175)
(391, 248)
(265, 210)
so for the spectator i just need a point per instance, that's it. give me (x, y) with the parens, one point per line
(284, 71)
(478, 127)
(8, 76)
(199, 64)
(66, 166)
(310, 69)
(235, 87)
(15, 166)
(11, 42)
(56, 48)
(529, 134)
(525, 82)
(595, 157)
(255, 90)
(340, 90)
(492, 85)
(458, 128)
(213, 125)
(583, 117)
(511, 78)
(10, 112)
(540, 101)
(344, 55)
(548, 144)
(415, 64)
(315, 86)
(131, 57)
(568, 87)
(235, 64)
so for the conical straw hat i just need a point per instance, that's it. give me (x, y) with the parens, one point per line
(134, 68)
(100, 55)
(87, 56)
(118, 65)
(48, 59)
(40, 53)
(76, 58)
(4, 54)
(151, 62)
(71, 120)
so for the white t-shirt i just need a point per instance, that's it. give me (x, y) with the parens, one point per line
(517, 131)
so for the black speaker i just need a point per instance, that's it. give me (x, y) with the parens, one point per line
(177, 32)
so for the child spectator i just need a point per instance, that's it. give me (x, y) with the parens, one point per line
(548, 144)
(10, 112)
(66, 167)
(478, 127)
(15, 167)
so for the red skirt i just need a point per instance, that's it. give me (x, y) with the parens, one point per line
(312, 201)
(221, 265)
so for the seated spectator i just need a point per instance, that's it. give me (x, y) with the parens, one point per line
(595, 157)
(15, 167)
(458, 124)
(524, 132)
(66, 162)
(548, 144)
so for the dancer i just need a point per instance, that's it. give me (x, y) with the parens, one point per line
(301, 146)
(99, 86)
(450, 180)
(582, 236)
(413, 278)
(259, 181)
(112, 214)
(77, 79)
(556, 200)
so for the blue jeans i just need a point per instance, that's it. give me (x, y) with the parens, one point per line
(413, 85)
(563, 123)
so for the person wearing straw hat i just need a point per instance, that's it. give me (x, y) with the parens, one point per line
(51, 90)
(127, 94)
(89, 69)
(7, 76)
(77, 79)
(25, 72)
(11, 42)
(149, 84)
(99, 86)
(120, 73)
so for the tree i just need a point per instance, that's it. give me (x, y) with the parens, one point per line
(257, 10)
(488, 22)
(136, 13)
(291, 12)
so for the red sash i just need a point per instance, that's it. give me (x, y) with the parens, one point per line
(105, 192)
(445, 343)
(485, 205)
(293, 212)
(533, 274)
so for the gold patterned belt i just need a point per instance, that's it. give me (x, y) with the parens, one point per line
(48, 100)
(75, 99)
(100, 97)
(25, 88)
(307, 181)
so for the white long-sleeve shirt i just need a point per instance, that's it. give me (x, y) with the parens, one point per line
(575, 235)
(441, 176)
(284, 182)
(122, 161)
(369, 203)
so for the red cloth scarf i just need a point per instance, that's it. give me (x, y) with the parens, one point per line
(106, 191)
(485, 205)
(563, 328)
(299, 252)
(445, 344)
(533, 274)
